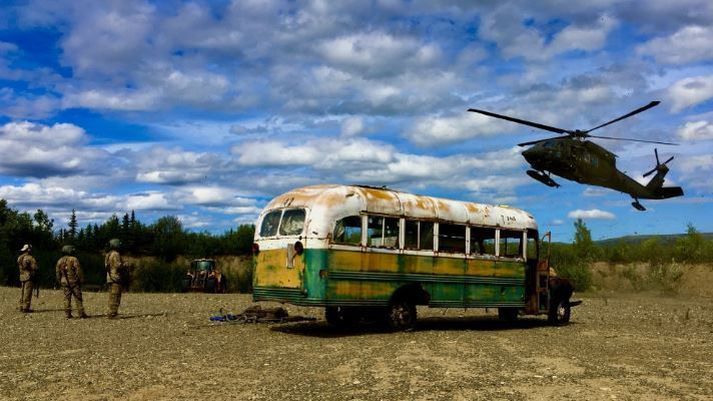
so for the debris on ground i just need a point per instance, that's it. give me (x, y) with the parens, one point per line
(258, 314)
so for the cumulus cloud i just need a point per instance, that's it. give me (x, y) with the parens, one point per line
(505, 26)
(36, 150)
(696, 131)
(439, 130)
(352, 126)
(689, 44)
(160, 165)
(592, 214)
(378, 53)
(690, 91)
(322, 154)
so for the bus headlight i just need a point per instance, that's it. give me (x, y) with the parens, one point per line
(256, 248)
(299, 248)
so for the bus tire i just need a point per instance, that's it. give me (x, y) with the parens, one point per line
(507, 314)
(401, 315)
(338, 316)
(559, 312)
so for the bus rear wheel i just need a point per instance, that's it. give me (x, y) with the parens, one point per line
(401, 315)
(559, 312)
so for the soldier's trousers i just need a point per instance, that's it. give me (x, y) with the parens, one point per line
(26, 295)
(76, 292)
(114, 298)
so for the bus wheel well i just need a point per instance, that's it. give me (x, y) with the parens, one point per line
(412, 292)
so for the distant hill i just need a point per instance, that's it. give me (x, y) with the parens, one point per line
(636, 239)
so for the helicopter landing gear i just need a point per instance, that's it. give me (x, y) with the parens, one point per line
(543, 178)
(638, 206)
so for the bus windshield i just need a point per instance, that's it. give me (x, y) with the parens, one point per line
(290, 222)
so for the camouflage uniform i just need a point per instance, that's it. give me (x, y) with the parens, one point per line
(28, 271)
(70, 277)
(114, 271)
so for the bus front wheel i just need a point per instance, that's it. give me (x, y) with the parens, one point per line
(401, 315)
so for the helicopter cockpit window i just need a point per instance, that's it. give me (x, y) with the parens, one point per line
(548, 144)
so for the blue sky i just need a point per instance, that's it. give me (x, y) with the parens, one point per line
(206, 110)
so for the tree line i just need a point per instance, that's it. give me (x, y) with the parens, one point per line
(165, 239)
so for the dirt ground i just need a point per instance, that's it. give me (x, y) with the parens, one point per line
(164, 347)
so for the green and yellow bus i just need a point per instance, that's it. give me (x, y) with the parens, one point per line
(360, 251)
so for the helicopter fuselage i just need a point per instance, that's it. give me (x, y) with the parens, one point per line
(585, 162)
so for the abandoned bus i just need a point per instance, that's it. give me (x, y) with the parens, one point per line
(360, 251)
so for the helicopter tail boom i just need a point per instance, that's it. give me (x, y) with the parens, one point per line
(668, 192)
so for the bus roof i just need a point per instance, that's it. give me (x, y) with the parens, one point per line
(332, 202)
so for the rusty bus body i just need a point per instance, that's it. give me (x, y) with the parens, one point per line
(358, 250)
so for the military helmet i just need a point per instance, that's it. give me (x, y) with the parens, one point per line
(68, 249)
(114, 243)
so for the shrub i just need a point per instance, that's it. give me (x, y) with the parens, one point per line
(152, 276)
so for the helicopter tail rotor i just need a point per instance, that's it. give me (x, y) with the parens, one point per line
(659, 166)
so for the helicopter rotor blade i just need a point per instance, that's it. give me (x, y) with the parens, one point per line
(669, 159)
(648, 173)
(632, 140)
(537, 141)
(637, 111)
(519, 121)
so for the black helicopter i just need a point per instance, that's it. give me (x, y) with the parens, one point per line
(573, 157)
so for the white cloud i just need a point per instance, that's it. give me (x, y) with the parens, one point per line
(352, 126)
(150, 201)
(35, 150)
(377, 53)
(112, 99)
(690, 91)
(505, 27)
(160, 165)
(438, 130)
(594, 192)
(689, 44)
(593, 214)
(696, 131)
(273, 153)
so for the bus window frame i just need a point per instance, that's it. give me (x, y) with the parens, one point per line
(302, 234)
(523, 248)
(482, 255)
(437, 236)
(365, 231)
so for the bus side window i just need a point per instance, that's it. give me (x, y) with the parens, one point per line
(411, 234)
(426, 235)
(511, 244)
(383, 232)
(418, 235)
(482, 241)
(391, 232)
(451, 238)
(348, 231)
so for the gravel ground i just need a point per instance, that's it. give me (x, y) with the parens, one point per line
(629, 347)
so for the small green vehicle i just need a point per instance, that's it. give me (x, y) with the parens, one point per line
(204, 276)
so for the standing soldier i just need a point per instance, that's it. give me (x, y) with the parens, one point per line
(28, 271)
(114, 272)
(70, 277)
